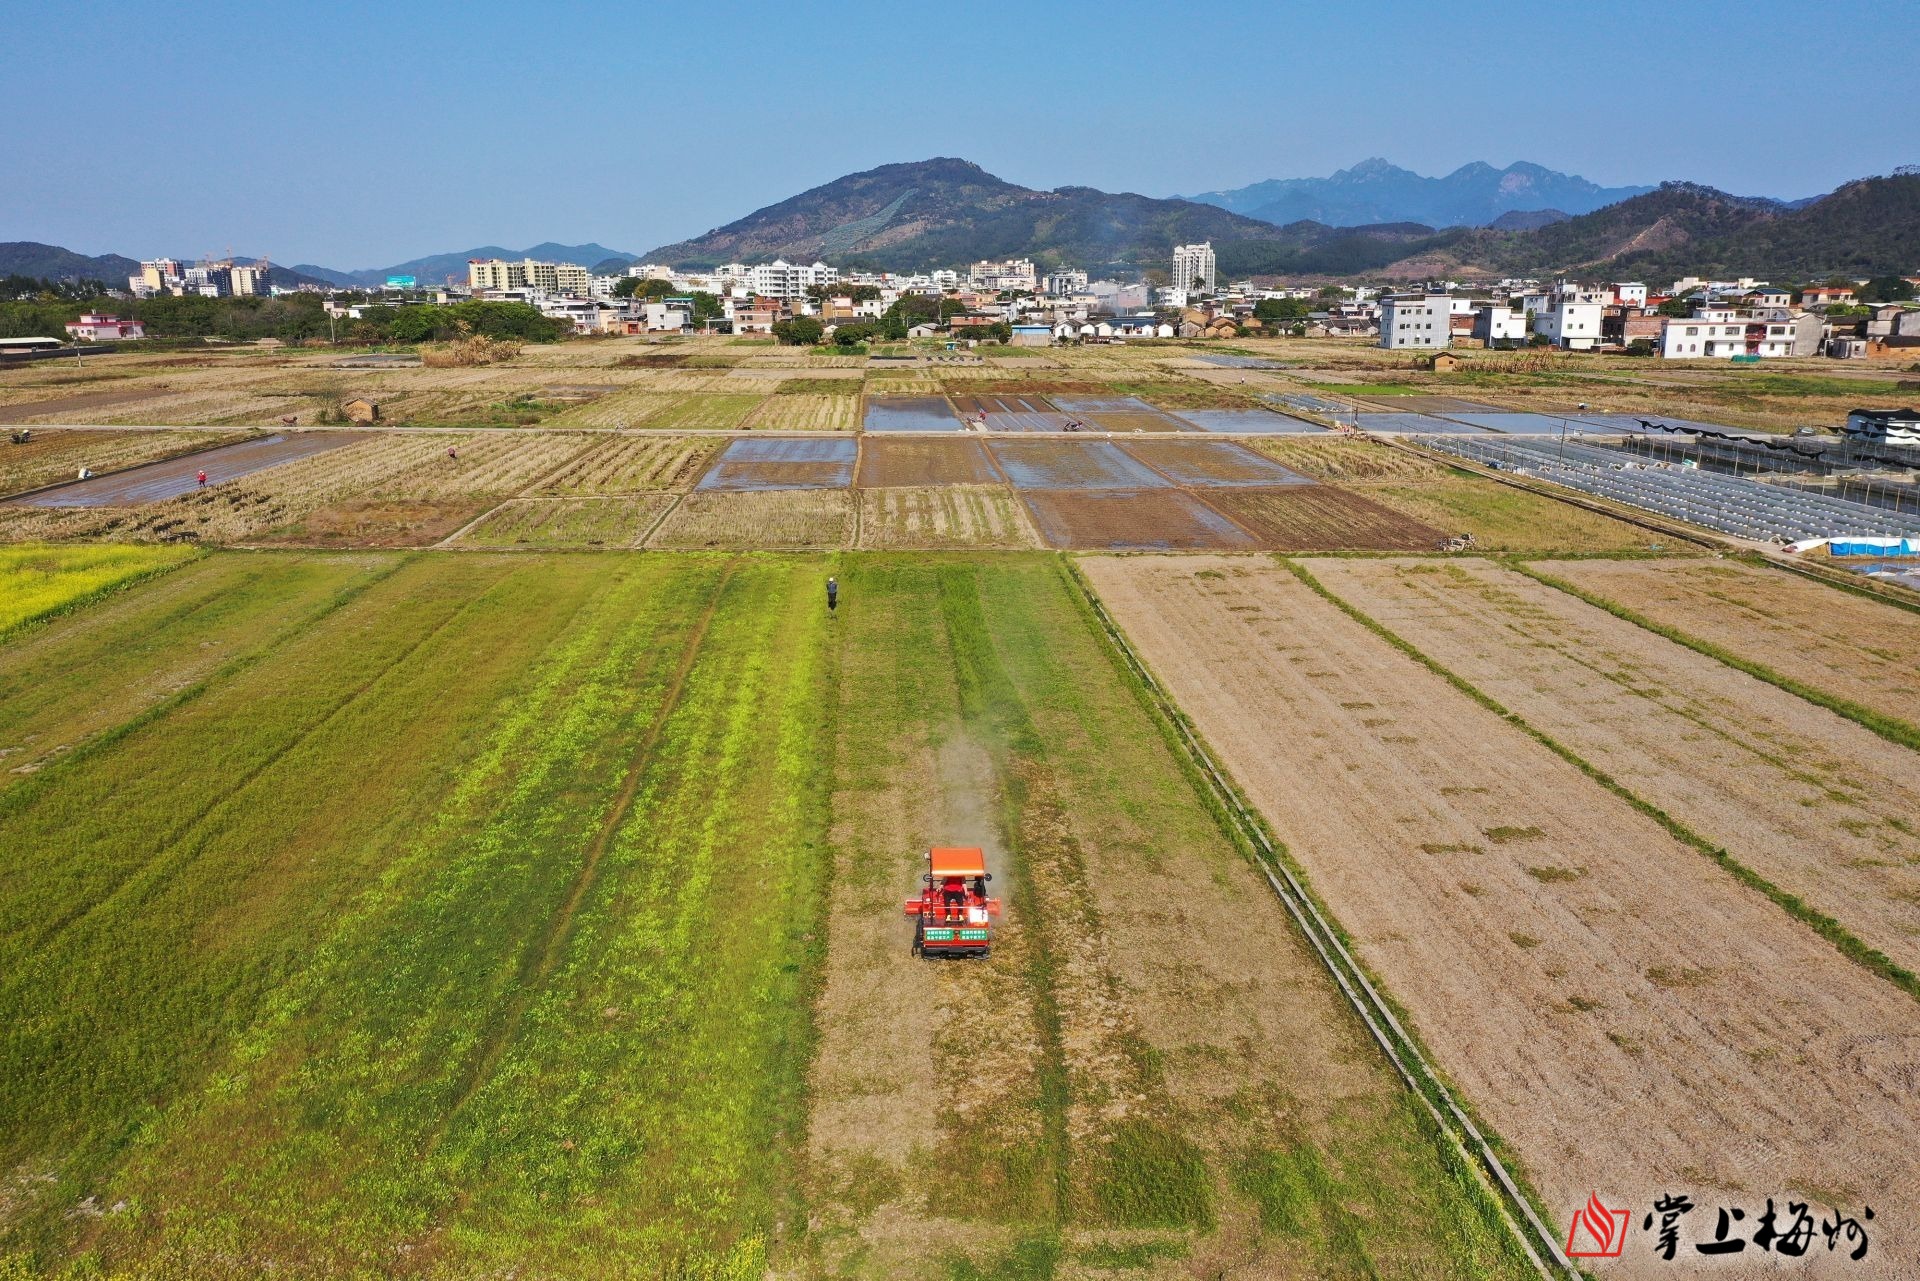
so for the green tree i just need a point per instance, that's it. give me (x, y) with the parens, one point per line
(1280, 309)
(1887, 289)
(801, 331)
(1679, 308)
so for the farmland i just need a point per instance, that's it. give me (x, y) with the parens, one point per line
(37, 581)
(1563, 954)
(463, 844)
(521, 912)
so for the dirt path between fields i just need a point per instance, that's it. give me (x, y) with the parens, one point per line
(1623, 1012)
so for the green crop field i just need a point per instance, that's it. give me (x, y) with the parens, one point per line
(373, 914)
(38, 580)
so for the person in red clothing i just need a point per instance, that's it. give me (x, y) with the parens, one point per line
(202, 476)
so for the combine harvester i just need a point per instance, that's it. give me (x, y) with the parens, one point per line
(952, 914)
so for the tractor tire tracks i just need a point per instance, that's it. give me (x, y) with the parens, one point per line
(545, 957)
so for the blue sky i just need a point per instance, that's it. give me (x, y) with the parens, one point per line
(356, 135)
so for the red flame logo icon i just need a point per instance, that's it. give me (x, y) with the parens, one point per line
(1598, 1231)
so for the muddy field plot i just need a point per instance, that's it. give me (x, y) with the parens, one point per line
(1818, 805)
(759, 519)
(53, 455)
(1622, 1011)
(1132, 520)
(1320, 518)
(568, 522)
(1119, 413)
(633, 464)
(956, 516)
(1210, 464)
(158, 481)
(909, 462)
(1073, 464)
(1010, 412)
(781, 464)
(1847, 646)
(907, 413)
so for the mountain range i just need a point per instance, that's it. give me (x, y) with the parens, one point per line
(1376, 191)
(945, 212)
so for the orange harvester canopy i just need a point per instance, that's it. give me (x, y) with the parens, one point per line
(956, 860)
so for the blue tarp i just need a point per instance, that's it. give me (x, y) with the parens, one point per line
(1859, 546)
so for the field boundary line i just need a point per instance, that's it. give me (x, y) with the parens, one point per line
(1892, 728)
(1401, 1049)
(1843, 940)
(560, 932)
(640, 541)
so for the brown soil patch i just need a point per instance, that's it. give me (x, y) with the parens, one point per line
(1383, 780)
(1342, 459)
(1848, 646)
(1806, 798)
(378, 522)
(1132, 520)
(1210, 462)
(1319, 518)
(67, 404)
(890, 461)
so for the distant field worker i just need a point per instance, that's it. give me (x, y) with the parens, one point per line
(833, 595)
(453, 454)
(201, 476)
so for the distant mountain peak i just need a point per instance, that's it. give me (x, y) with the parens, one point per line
(1379, 191)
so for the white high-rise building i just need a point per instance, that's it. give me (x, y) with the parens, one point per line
(529, 273)
(1415, 320)
(782, 279)
(1193, 268)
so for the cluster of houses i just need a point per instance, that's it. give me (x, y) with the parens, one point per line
(1743, 320)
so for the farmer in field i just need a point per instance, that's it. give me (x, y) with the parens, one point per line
(201, 476)
(833, 595)
(453, 454)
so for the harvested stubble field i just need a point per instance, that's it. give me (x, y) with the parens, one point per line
(388, 488)
(788, 412)
(633, 464)
(1814, 803)
(752, 519)
(1504, 518)
(1624, 1012)
(1849, 648)
(888, 461)
(541, 913)
(704, 413)
(54, 455)
(620, 409)
(957, 516)
(618, 521)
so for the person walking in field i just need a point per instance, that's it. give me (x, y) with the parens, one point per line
(833, 595)
(201, 476)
